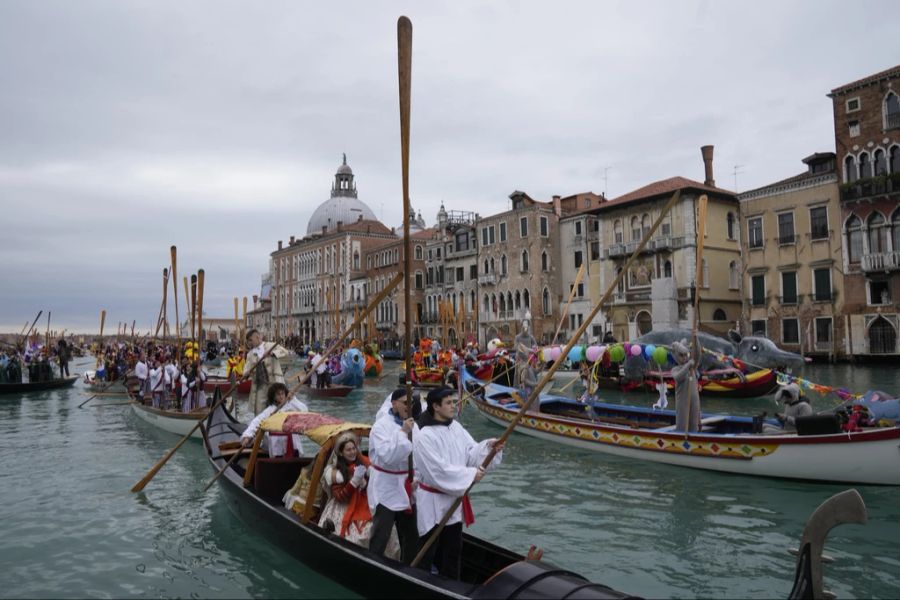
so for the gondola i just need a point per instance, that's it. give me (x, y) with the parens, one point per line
(172, 421)
(254, 488)
(333, 391)
(37, 386)
(224, 384)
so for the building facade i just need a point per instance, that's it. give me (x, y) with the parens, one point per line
(867, 144)
(793, 261)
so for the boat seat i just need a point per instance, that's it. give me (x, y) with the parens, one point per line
(706, 424)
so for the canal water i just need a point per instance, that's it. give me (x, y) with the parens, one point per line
(72, 528)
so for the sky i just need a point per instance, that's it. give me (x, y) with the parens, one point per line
(217, 127)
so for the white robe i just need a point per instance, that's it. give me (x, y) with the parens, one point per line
(389, 448)
(445, 458)
(158, 380)
(277, 444)
(141, 371)
(386, 406)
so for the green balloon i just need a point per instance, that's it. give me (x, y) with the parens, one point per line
(661, 356)
(617, 353)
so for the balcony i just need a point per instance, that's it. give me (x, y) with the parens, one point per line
(662, 243)
(615, 251)
(882, 261)
(678, 242)
(881, 185)
(489, 279)
(790, 300)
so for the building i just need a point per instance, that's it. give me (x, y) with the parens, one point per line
(451, 279)
(793, 261)
(867, 144)
(260, 316)
(517, 280)
(658, 291)
(312, 295)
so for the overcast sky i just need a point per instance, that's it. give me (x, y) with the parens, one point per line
(127, 127)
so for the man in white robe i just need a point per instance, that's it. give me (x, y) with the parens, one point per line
(389, 502)
(277, 402)
(447, 461)
(386, 406)
(267, 374)
(142, 372)
(158, 385)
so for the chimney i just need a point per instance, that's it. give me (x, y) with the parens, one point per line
(255, 298)
(279, 244)
(292, 241)
(707, 152)
(557, 206)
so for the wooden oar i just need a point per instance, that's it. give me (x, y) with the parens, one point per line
(140, 485)
(698, 277)
(556, 364)
(172, 251)
(304, 376)
(99, 353)
(404, 75)
(201, 277)
(40, 312)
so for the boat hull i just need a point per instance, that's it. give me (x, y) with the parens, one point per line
(870, 456)
(335, 391)
(225, 384)
(173, 422)
(37, 386)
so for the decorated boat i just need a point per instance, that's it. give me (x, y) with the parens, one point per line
(752, 385)
(333, 391)
(280, 498)
(223, 384)
(821, 451)
(374, 364)
(37, 386)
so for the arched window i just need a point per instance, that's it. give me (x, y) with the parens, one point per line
(418, 252)
(494, 303)
(502, 303)
(853, 230)
(730, 225)
(895, 231)
(865, 167)
(486, 267)
(635, 229)
(667, 268)
(355, 259)
(545, 262)
(850, 170)
(487, 303)
(472, 300)
(645, 224)
(621, 284)
(524, 260)
(880, 163)
(895, 159)
(719, 315)
(617, 229)
(877, 234)
(891, 111)
(734, 275)
(509, 301)
(503, 265)
(526, 299)
(545, 301)
(492, 265)
(518, 300)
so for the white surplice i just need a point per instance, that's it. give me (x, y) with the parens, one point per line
(389, 449)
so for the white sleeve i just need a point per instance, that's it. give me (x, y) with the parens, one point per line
(252, 428)
(298, 406)
(477, 452)
(388, 445)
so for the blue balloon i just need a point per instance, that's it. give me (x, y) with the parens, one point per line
(576, 354)
(648, 351)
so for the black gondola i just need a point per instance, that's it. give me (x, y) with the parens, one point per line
(488, 570)
(37, 386)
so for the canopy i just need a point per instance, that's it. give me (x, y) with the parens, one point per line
(315, 426)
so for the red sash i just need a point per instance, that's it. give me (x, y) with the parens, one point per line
(407, 484)
(467, 513)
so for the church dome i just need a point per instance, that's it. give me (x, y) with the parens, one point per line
(343, 207)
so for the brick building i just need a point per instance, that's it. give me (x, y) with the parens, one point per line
(867, 144)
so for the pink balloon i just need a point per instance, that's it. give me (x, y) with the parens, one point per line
(555, 352)
(636, 350)
(592, 353)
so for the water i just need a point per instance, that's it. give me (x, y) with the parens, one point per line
(72, 528)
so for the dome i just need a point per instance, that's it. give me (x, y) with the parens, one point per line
(345, 169)
(345, 209)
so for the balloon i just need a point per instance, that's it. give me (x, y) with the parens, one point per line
(602, 352)
(555, 352)
(617, 353)
(661, 356)
(543, 355)
(648, 351)
(593, 353)
(627, 347)
(576, 353)
(636, 350)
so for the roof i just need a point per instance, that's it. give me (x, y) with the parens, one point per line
(664, 187)
(886, 74)
(365, 226)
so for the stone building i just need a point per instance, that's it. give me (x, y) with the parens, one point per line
(867, 143)
(793, 261)
(658, 291)
(312, 296)
(451, 279)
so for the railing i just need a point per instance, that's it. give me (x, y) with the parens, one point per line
(489, 279)
(661, 243)
(893, 120)
(872, 186)
(786, 300)
(757, 301)
(787, 239)
(882, 261)
(826, 296)
(615, 250)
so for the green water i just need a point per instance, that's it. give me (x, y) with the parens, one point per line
(71, 528)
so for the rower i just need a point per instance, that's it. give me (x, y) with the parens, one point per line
(277, 397)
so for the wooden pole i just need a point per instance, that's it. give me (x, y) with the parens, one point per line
(526, 405)
(404, 76)
(244, 323)
(173, 252)
(698, 276)
(200, 279)
(187, 307)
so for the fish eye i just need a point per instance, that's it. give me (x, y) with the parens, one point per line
(754, 347)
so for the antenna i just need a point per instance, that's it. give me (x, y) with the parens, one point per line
(605, 179)
(736, 172)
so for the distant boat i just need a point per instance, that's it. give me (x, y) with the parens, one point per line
(335, 391)
(37, 386)
(172, 421)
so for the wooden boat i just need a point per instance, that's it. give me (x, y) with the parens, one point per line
(335, 391)
(756, 384)
(254, 488)
(224, 384)
(172, 421)
(37, 386)
(726, 443)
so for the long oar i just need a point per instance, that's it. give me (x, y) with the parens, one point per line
(698, 275)
(40, 312)
(574, 289)
(556, 364)
(99, 351)
(173, 252)
(304, 376)
(159, 465)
